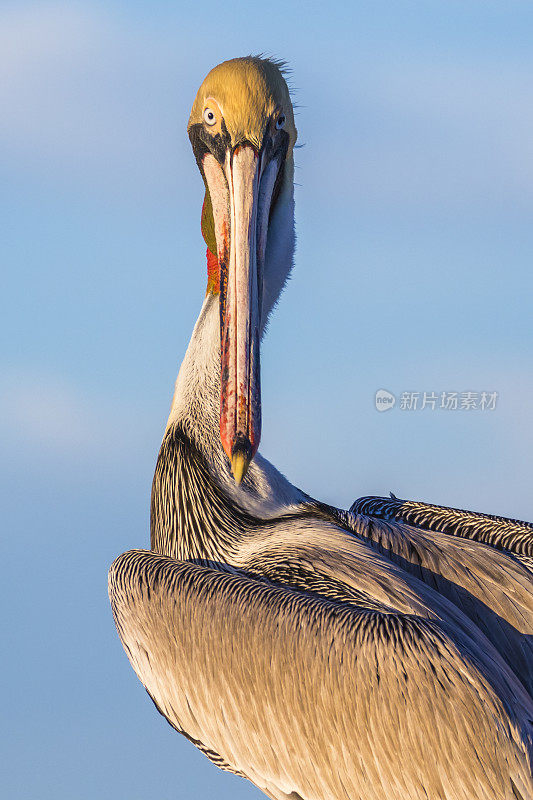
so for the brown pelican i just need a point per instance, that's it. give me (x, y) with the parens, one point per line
(381, 652)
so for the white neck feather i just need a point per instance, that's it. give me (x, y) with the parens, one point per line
(196, 402)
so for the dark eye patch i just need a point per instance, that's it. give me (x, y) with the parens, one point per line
(203, 142)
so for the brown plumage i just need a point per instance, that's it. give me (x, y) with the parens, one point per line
(511, 536)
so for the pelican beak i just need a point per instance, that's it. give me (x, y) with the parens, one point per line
(240, 392)
(241, 193)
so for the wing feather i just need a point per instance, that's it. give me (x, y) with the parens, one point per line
(310, 699)
(503, 533)
(491, 587)
(389, 564)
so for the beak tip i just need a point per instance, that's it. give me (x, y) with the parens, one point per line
(241, 456)
(239, 466)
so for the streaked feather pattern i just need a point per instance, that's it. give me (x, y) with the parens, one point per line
(210, 642)
(503, 533)
(315, 700)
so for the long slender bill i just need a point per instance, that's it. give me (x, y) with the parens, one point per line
(240, 197)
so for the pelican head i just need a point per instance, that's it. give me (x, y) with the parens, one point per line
(242, 132)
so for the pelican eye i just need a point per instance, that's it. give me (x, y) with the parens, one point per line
(209, 116)
(280, 122)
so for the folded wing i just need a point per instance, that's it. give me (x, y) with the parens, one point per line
(310, 699)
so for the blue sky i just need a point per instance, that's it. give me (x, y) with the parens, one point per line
(413, 273)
